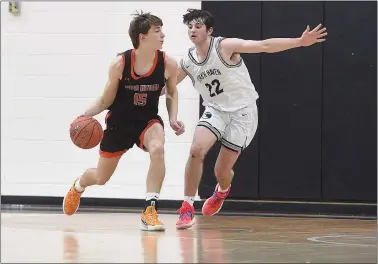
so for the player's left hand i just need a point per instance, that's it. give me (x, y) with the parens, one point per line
(316, 35)
(178, 127)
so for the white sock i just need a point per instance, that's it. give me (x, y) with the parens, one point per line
(189, 199)
(150, 196)
(223, 191)
(78, 187)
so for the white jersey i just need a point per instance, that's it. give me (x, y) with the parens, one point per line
(222, 86)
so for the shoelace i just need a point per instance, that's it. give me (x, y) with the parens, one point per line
(215, 200)
(184, 213)
(73, 199)
(152, 216)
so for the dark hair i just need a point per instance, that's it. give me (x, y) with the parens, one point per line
(141, 24)
(205, 16)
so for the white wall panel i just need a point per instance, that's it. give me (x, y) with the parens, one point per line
(55, 58)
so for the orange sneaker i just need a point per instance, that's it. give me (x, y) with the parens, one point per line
(71, 201)
(149, 220)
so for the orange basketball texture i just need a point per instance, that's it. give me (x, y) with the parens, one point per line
(86, 132)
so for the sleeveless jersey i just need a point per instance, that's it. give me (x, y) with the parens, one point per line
(138, 96)
(222, 86)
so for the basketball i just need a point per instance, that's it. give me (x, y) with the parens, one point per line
(86, 132)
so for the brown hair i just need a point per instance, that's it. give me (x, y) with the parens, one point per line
(141, 24)
(201, 15)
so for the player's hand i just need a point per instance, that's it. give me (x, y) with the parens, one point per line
(178, 127)
(83, 115)
(76, 118)
(316, 35)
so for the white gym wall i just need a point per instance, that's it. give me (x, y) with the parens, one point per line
(55, 58)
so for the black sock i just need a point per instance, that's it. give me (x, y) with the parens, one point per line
(151, 202)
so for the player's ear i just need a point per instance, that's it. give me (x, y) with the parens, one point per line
(210, 31)
(141, 37)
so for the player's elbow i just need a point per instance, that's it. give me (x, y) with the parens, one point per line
(171, 93)
(106, 102)
(265, 46)
(267, 49)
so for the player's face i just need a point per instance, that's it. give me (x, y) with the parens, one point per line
(197, 32)
(154, 38)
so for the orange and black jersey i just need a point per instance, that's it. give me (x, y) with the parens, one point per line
(138, 96)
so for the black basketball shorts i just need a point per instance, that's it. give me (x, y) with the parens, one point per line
(119, 136)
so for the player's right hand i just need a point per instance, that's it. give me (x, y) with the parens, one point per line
(178, 127)
(76, 118)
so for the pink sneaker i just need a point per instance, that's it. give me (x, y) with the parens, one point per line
(186, 219)
(213, 204)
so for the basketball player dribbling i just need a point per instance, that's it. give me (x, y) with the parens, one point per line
(136, 78)
(219, 74)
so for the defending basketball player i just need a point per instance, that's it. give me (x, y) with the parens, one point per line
(219, 74)
(136, 78)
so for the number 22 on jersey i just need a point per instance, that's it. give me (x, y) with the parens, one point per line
(214, 84)
(140, 99)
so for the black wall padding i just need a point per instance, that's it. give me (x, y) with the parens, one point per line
(349, 147)
(290, 124)
(317, 135)
(238, 20)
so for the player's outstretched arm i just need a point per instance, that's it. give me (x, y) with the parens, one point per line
(172, 95)
(110, 91)
(308, 38)
(181, 76)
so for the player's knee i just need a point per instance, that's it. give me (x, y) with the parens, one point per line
(197, 152)
(156, 150)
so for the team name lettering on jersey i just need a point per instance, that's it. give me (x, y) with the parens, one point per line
(210, 72)
(143, 88)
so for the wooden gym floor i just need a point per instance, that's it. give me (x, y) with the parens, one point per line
(116, 238)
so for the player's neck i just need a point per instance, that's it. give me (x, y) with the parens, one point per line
(144, 55)
(203, 48)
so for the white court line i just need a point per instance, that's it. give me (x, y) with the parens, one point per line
(318, 239)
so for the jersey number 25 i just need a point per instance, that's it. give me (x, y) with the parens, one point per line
(214, 84)
(140, 99)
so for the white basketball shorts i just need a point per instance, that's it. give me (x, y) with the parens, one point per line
(235, 130)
